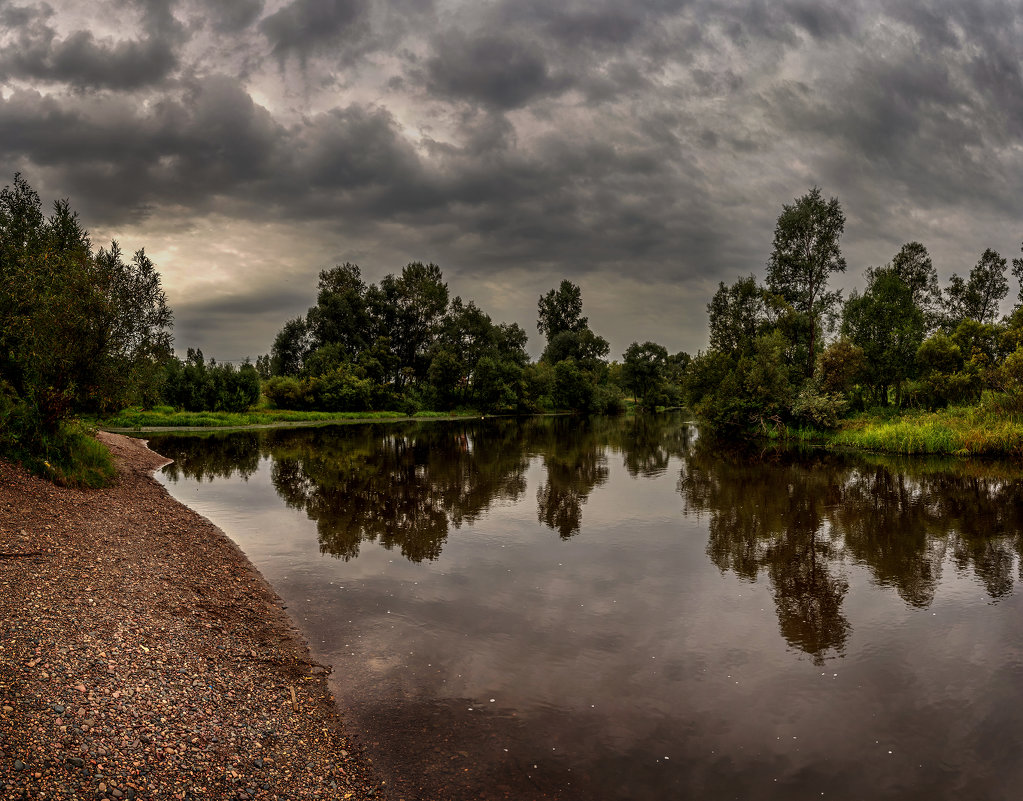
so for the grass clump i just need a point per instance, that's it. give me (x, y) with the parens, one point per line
(70, 456)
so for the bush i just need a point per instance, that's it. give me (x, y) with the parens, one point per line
(820, 410)
(286, 392)
(609, 399)
(573, 387)
(341, 391)
(842, 366)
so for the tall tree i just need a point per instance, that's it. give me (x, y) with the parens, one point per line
(889, 328)
(340, 316)
(738, 314)
(560, 310)
(805, 253)
(977, 298)
(409, 309)
(290, 348)
(913, 265)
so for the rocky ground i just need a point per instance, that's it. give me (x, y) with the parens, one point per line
(142, 656)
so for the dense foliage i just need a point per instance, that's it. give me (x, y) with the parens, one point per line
(901, 343)
(404, 344)
(196, 385)
(80, 331)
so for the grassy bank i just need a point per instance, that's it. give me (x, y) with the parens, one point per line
(70, 457)
(165, 417)
(986, 429)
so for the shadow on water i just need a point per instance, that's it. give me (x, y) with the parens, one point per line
(804, 526)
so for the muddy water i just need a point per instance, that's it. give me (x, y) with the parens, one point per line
(618, 609)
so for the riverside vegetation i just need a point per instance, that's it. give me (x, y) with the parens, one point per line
(914, 368)
(903, 365)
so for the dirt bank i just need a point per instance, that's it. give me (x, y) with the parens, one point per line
(142, 656)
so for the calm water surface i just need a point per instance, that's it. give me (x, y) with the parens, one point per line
(617, 609)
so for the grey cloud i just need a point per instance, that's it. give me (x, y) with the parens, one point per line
(117, 156)
(492, 69)
(304, 26)
(82, 61)
(12, 16)
(354, 147)
(230, 16)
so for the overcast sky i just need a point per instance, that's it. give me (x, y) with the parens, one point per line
(642, 149)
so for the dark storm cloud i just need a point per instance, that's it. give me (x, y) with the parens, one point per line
(352, 148)
(81, 61)
(491, 69)
(113, 156)
(305, 26)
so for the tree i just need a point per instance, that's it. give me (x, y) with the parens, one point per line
(1017, 271)
(977, 298)
(643, 369)
(340, 316)
(805, 252)
(888, 327)
(409, 310)
(912, 264)
(291, 346)
(738, 314)
(585, 347)
(560, 310)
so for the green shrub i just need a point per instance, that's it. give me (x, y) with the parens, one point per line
(819, 410)
(286, 392)
(341, 391)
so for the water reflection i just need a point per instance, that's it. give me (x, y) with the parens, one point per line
(799, 520)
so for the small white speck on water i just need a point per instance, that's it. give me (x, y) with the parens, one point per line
(492, 700)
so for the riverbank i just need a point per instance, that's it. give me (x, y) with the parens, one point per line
(142, 656)
(975, 431)
(166, 419)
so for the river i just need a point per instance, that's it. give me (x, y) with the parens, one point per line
(620, 609)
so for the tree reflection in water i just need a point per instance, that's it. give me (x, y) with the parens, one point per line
(802, 520)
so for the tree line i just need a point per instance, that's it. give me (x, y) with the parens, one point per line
(791, 351)
(404, 344)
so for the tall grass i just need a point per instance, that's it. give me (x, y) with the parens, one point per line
(958, 431)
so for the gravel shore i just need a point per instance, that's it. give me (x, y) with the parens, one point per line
(142, 656)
